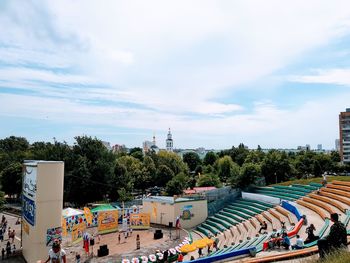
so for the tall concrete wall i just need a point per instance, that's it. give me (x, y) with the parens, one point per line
(42, 207)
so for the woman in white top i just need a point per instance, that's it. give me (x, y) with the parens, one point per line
(56, 254)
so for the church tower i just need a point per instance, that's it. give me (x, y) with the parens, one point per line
(169, 142)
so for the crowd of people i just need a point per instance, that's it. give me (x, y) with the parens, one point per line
(336, 239)
(10, 247)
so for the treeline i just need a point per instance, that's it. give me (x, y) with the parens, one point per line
(94, 173)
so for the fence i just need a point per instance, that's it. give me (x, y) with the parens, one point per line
(219, 198)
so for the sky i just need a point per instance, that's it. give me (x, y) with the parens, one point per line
(218, 73)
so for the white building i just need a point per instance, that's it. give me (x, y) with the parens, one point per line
(169, 142)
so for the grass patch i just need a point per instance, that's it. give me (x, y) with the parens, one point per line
(340, 256)
(315, 180)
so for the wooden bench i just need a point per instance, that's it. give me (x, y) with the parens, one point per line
(329, 201)
(336, 197)
(285, 213)
(259, 218)
(319, 204)
(338, 187)
(252, 222)
(313, 208)
(269, 218)
(288, 255)
(276, 215)
(341, 183)
(335, 191)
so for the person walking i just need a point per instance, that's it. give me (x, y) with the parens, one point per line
(336, 239)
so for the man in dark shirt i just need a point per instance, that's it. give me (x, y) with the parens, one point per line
(335, 239)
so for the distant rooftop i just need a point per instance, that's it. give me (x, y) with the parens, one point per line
(166, 199)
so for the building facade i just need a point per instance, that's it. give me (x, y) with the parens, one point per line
(169, 142)
(344, 136)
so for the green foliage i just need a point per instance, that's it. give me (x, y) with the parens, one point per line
(226, 168)
(210, 158)
(11, 179)
(136, 153)
(249, 173)
(192, 160)
(209, 180)
(276, 167)
(177, 184)
(164, 175)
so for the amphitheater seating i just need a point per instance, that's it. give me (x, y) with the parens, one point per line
(318, 185)
(242, 210)
(234, 212)
(341, 183)
(339, 187)
(312, 207)
(248, 207)
(214, 224)
(267, 205)
(226, 219)
(335, 197)
(230, 216)
(329, 201)
(309, 187)
(335, 191)
(292, 189)
(320, 234)
(203, 231)
(255, 205)
(319, 204)
(213, 230)
(285, 213)
(220, 221)
(278, 195)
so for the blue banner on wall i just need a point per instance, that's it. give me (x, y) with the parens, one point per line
(28, 210)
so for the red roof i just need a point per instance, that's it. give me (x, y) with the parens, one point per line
(196, 190)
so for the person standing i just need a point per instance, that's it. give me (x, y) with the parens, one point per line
(119, 238)
(138, 241)
(56, 254)
(3, 254)
(336, 239)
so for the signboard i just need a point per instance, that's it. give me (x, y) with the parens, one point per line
(25, 227)
(187, 212)
(28, 208)
(29, 194)
(140, 221)
(29, 181)
(77, 232)
(107, 221)
(53, 234)
(88, 215)
(64, 226)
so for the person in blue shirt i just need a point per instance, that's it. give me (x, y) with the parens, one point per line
(285, 241)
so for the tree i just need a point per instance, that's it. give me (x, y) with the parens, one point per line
(209, 180)
(249, 173)
(171, 160)
(164, 175)
(276, 167)
(226, 168)
(192, 160)
(136, 153)
(13, 149)
(92, 170)
(335, 157)
(177, 184)
(210, 158)
(11, 179)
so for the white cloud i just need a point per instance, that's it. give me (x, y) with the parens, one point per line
(329, 76)
(174, 60)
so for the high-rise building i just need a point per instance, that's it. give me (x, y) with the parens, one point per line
(344, 138)
(337, 145)
(319, 147)
(169, 142)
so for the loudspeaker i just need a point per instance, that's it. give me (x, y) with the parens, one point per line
(158, 235)
(158, 231)
(92, 242)
(103, 251)
(170, 224)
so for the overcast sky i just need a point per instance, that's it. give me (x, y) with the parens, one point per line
(274, 73)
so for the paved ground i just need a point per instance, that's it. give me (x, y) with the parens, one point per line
(11, 220)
